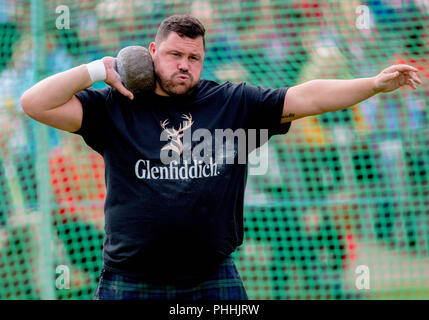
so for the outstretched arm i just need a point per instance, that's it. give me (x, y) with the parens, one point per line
(319, 96)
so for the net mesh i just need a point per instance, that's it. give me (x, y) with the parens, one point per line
(346, 193)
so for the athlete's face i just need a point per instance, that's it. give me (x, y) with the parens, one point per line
(178, 64)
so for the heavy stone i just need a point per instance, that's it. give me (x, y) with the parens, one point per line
(135, 67)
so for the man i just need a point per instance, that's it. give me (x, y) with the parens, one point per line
(170, 232)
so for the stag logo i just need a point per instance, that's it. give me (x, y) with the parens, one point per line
(174, 136)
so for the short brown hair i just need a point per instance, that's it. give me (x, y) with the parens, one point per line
(184, 25)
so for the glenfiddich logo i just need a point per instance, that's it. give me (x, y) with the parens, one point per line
(176, 170)
(175, 136)
(201, 153)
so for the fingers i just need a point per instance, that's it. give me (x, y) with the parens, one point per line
(405, 77)
(124, 91)
(403, 68)
(415, 77)
(115, 65)
(411, 84)
(411, 79)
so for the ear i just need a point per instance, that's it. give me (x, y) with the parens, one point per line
(152, 48)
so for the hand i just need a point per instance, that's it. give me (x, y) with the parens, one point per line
(113, 79)
(396, 76)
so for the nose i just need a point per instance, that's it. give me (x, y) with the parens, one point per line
(183, 65)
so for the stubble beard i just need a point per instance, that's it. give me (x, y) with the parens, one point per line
(170, 87)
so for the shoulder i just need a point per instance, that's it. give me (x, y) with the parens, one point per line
(209, 87)
(96, 92)
(206, 84)
(94, 95)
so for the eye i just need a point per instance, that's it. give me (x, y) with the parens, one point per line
(194, 58)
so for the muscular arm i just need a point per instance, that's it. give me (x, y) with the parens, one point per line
(52, 101)
(320, 96)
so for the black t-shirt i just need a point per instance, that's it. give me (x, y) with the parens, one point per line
(173, 222)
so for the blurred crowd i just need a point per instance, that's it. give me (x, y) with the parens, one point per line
(338, 157)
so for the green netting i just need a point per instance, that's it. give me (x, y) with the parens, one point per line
(343, 189)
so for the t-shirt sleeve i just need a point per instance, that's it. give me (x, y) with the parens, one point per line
(264, 109)
(95, 119)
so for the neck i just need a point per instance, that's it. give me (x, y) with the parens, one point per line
(159, 91)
